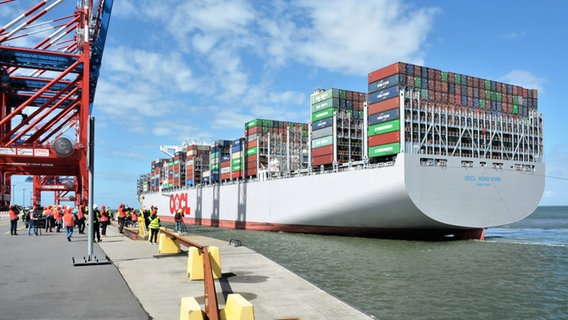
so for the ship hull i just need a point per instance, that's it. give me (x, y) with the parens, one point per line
(398, 199)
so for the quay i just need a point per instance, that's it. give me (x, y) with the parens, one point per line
(38, 280)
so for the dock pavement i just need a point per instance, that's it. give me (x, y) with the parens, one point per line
(39, 281)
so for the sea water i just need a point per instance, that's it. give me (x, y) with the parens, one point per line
(520, 271)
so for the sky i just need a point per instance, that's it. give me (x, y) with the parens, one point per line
(196, 70)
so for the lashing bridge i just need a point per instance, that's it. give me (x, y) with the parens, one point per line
(50, 57)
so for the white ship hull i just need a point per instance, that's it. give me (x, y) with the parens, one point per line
(403, 199)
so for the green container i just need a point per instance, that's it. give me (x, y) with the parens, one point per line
(417, 82)
(323, 114)
(322, 142)
(384, 150)
(482, 103)
(236, 161)
(487, 84)
(319, 97)
(252, 151)
(515, 99)
(515, 109)
(444, 76)
(214, 166)
(235, 168)
(499, 96)
(385, 127)
(252, 123)
(329, 103)
(457, 79)
(424, 94)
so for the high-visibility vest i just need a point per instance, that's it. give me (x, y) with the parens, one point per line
(13, 214)
(68, 220)
(155, 223)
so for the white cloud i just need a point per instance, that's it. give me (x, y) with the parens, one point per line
(525, 79)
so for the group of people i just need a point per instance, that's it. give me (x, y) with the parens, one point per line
(56, 217)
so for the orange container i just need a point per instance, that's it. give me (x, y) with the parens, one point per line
(384, 138)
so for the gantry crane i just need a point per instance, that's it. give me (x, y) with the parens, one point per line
(46, 94)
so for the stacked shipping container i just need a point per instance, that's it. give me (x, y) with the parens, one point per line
(197, 162)
(179, 177)
(237, 158)
(279, 146)
(442, 88)
(337, 126)
(219, 161)
(337, 120)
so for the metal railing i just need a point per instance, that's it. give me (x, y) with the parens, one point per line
(211, 305)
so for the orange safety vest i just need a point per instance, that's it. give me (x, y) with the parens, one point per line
(13, 214)
(121, 213)
(68, 220)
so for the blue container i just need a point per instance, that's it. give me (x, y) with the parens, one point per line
(206, 180)
(464, 100)
(238, 142)
(385, 116)
(189, 182)
(225, 158)
(342, 103)
(349, 104)
(451, 88)
(424, 83)
(322, 124)
(476, 102)
(410, 69)
(424, 73)
(237, 148)
(385, 83)
(383, 95)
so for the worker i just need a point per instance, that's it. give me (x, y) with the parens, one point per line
(68, 222)
(134, 218)
(178, 218)
(80, 222)
(96, 223)
(154, 227)
(57, 215)
(13, 212)
(105, 219)
(121, 217)
(48, 215)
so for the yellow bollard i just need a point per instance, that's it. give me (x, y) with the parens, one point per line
(167, 245)
(195, 263)
(141, 226)
(215, 255)
(237, 308)
(190, 309)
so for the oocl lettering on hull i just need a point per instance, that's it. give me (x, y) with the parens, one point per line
(179, 201)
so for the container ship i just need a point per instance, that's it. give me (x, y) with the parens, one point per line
(423, 153)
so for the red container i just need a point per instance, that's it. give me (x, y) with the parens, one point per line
(237, 174)
(251, 172)
(384, 138)
(225, 176)
(321, 151)
(252, 144)
(252, 130)
(318, 161)
(383, 105)
(225, 164)
(385, 72)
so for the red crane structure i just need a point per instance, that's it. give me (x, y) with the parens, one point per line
(50, 57)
